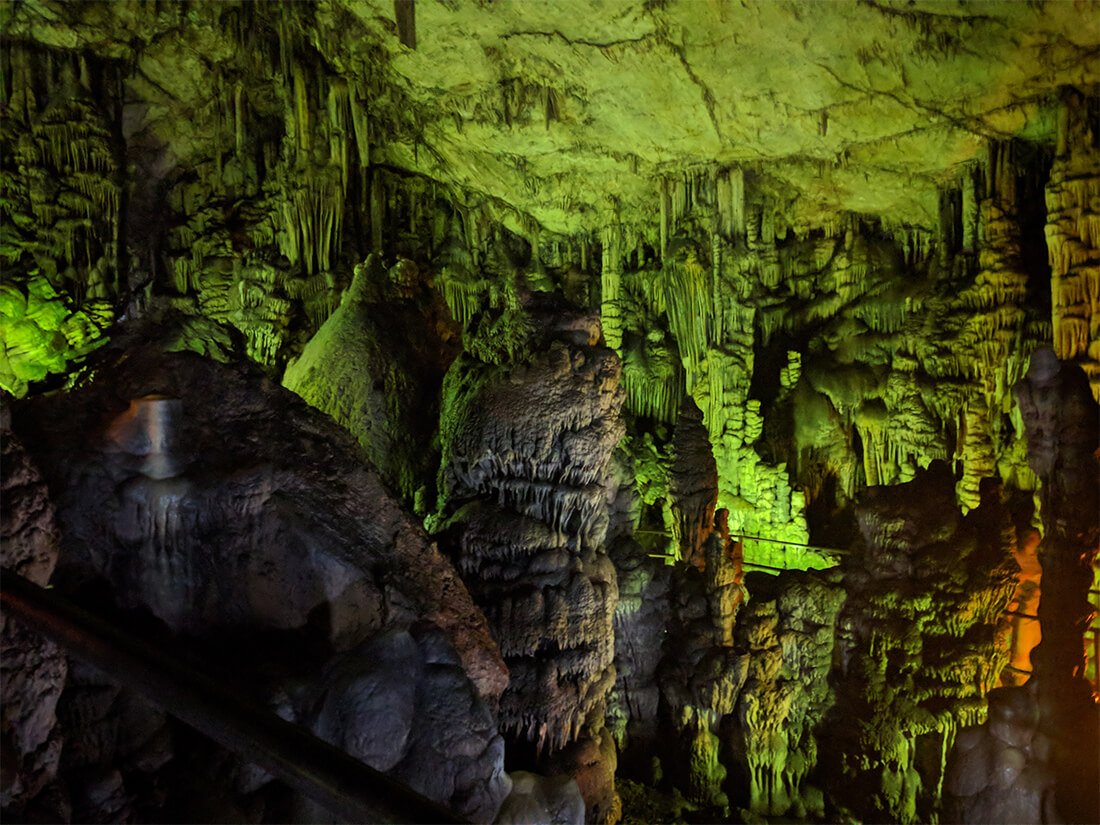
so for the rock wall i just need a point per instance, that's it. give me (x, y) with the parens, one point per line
(276, 553)
(34, 670)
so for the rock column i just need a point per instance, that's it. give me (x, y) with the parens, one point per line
(527, 448)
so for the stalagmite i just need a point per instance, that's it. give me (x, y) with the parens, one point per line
(650, 300)
(527, 510)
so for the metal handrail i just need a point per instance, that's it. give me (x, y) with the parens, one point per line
(347, 787)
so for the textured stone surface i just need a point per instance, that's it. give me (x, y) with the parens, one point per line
(115, 744)
(553, 800)
(286, 475)
(1073, 237)
(921, 642)
(1060, 420)
(403, 705)
(527, 446)
(877, 98)
(789, 631)
(33, 669)
(893, 92)
(998, 772)
(525, 482)
(375, 367)
(275, 529)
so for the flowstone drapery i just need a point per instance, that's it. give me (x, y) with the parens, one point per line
(1036, 757)
(1073, 234)
(811, 285)
(527, 444)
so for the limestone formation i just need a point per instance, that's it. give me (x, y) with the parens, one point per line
(527, 447)
(225, 538)
(34, 670)
(371, 369)
(597, 308)
(1062, 440)
(1073, 235)
(403, 704)
(922, 640)
(1060, 419)
(788, 630)
(999, 772)
(554, 800)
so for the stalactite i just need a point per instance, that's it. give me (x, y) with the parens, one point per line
(731, 202)
(1073, 240)
(654, 381)
(338, 106)
(610, 287)
(665, 219)
(977, 452)
(688, 298)
(971, 199)
(61, 176)
(359, 123)
(464, 298)
(301, 109)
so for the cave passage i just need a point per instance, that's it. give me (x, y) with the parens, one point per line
(633, 412)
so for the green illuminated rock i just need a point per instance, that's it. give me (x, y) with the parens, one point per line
(365, 369)
(40, 333)
(821, 242)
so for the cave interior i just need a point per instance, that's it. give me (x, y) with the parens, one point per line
(575, 411)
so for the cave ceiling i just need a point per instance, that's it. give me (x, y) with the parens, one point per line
(573, 112)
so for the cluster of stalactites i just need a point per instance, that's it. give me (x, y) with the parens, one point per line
(1073, 236)
(718, 192)
(327, 129)
(989, 343)
(63, 149)
(325, 135)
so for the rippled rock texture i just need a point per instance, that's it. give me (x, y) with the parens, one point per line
(527, 448)
(922, 640)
